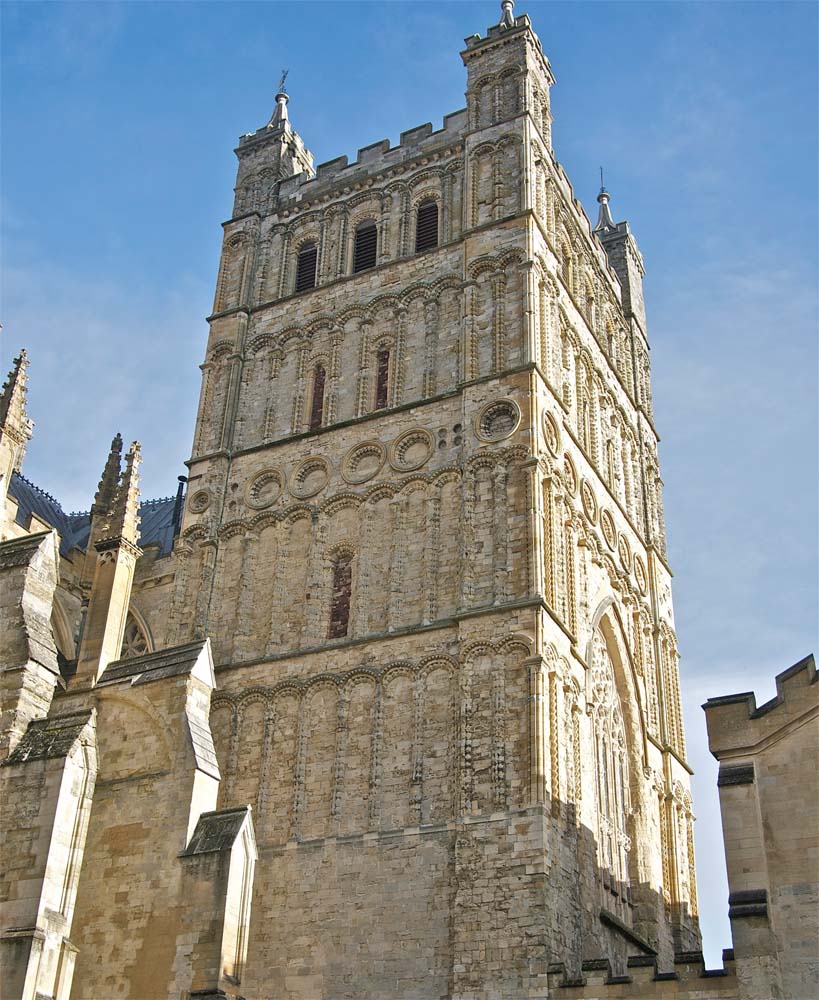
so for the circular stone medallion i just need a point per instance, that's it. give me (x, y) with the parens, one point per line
(363, 462)
(497, 421)
(411, 450)
(570, 474)
(640, 574)
(309, 477)
(199, 502)
(609, 531)
(263, 489)
(625, 552)
(589, 501)
(551, 433)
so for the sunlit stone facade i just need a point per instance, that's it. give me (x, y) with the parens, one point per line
(392, 708)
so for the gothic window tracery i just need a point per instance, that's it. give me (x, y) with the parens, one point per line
(134, 640)
(614, 844)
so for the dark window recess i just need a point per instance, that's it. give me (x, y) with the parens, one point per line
(366, 247)
(317, 406)
(426, 229)
(306, 267)
(382, 379)
(340, 599)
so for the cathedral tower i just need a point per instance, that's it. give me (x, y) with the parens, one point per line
(424, 534)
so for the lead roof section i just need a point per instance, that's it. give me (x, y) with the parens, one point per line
(156, 517)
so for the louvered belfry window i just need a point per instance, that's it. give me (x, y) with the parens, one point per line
(306, 267)
(426, 229)
(340, 597)
(382, 377)
(366, 246)
(317, 405)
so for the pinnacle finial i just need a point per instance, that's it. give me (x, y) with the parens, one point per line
(507, 16)
(605, 223)
(106, 491)
(279, 118)
(123, 520)
(13, 415)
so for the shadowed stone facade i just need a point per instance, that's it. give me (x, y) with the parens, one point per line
(390, 708)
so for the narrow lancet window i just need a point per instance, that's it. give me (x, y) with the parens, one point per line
(366, 246)
(340, 597)
(426, 228)
(382, 378)
(306, 267)
(317, 403)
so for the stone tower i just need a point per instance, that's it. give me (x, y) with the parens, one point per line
(424, 535)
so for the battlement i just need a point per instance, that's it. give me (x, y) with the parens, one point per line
(376, 158)
(736, 724)
(644, 979)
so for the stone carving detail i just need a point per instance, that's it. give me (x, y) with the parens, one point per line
(134, 641)
(199, 502)
(609, 531)
(551, 434)
(411, 450)
(363, 462)
(589, 501)
(264, 489)
(309, 478)
(640, 574)
(624, 550)
(497, 420)
(569, 475)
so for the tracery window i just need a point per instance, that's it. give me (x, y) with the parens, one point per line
(612, 771)
(342, 580)
(365, 250)
(134, 640)
(317, 399)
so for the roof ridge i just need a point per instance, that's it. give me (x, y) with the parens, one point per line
(40, 490)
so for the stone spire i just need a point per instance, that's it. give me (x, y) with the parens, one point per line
(605, 223)
(14, 420)
(507, 16)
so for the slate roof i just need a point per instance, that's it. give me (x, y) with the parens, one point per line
(156, 517)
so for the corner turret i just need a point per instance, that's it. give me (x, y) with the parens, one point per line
(625, 258)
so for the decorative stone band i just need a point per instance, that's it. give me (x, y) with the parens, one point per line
(735, 774)
(749, 903)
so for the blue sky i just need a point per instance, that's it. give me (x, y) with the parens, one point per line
(119, 121)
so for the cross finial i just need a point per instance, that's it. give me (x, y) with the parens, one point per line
(281, 82)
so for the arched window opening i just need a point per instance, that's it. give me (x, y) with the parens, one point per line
(134, 640)
(382, 378)
(426, 228)
(306, 267)
(317, 402)
(340, 596)
(366, 246)
(612, 772)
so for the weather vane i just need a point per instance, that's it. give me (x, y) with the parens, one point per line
(281, 82)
